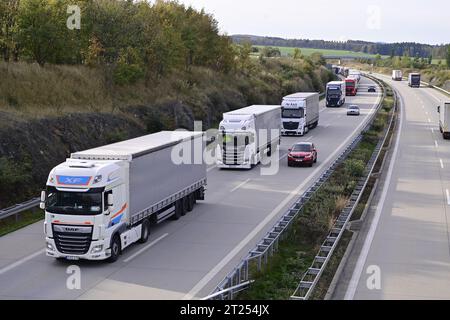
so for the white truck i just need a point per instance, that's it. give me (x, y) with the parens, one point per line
(335, 93)
(299, 113)
(397, 75)
(102, 200)
(245, 135)
(355, 74)
(444, 119)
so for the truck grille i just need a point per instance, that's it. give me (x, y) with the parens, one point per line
(290, 125)
(72, 239)
(233, 156)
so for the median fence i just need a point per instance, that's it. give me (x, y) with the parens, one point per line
(239, 279)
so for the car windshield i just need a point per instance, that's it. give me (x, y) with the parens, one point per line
(353, 107)
(301, 148)
(292, 113)
(75, 203)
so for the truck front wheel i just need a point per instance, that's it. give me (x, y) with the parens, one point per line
(115, 249)
(145, 231)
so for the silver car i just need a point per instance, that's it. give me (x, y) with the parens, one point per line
(353, 110)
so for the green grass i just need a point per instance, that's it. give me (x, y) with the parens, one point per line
(26, 218)
(285, 51)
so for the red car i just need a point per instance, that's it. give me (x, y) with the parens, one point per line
(302, 153)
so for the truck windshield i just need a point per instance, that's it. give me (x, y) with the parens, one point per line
(74, 203)
(292, 113)
(334, 91)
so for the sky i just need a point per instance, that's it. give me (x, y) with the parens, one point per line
(373, 20)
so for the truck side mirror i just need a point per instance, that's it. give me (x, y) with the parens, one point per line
(110, 200)
(42, 203)
(439, 109)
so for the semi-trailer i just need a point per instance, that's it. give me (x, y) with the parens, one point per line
(414, 80)
(300, 113)
(102, 200)
(335, 93)
(246, 135)
(397, 75)
(351, 86)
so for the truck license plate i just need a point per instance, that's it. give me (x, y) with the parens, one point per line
(72, 258)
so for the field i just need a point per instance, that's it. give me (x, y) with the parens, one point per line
(285, 51)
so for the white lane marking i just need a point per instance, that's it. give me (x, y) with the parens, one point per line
(432, 130)
(448, 196)
(351, 290)
(21, 261)
(429, 120)
(436, 144)
(217, 268)
(151, 244)
(210, 168)
(309, 138)
(240, 185)
(442, 163)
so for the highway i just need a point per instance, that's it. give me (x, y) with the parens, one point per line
(186, 259)
(403, 248)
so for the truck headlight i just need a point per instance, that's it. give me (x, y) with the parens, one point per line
(50, 246)
(97, 249)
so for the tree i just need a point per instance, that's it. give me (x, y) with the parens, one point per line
(447, 57)
(8, 29)
(297, 54)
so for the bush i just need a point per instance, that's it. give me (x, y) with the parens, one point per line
(354, 167)
(13, 178)
(127, 74)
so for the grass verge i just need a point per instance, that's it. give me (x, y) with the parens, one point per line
(279, 279)
(24, 219)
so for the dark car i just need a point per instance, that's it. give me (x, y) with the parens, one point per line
(372, 89)
(302, 153)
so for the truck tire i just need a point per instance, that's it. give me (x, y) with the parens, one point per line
(185, 205)
(178, 210)
(115, 249)
(191, 202)
(145, 231)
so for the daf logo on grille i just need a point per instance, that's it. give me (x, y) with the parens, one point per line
(68, 229)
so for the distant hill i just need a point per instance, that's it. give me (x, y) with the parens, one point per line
(396, 49)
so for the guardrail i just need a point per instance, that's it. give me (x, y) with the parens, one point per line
(435, 87)
(19, 208)
(312, 276)
(239, 278)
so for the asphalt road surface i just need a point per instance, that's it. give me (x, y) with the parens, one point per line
(186, 259)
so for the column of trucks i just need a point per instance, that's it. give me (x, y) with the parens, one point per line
(100, 201)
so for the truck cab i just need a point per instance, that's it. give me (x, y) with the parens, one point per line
(444, 119)
(351, 86)
(85, 203)
(414, 80)
(335, 94)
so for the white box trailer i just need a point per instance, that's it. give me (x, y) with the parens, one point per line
(106, 198)
(397, 75)
(444, 119)
(300, 113)
(247, 134)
